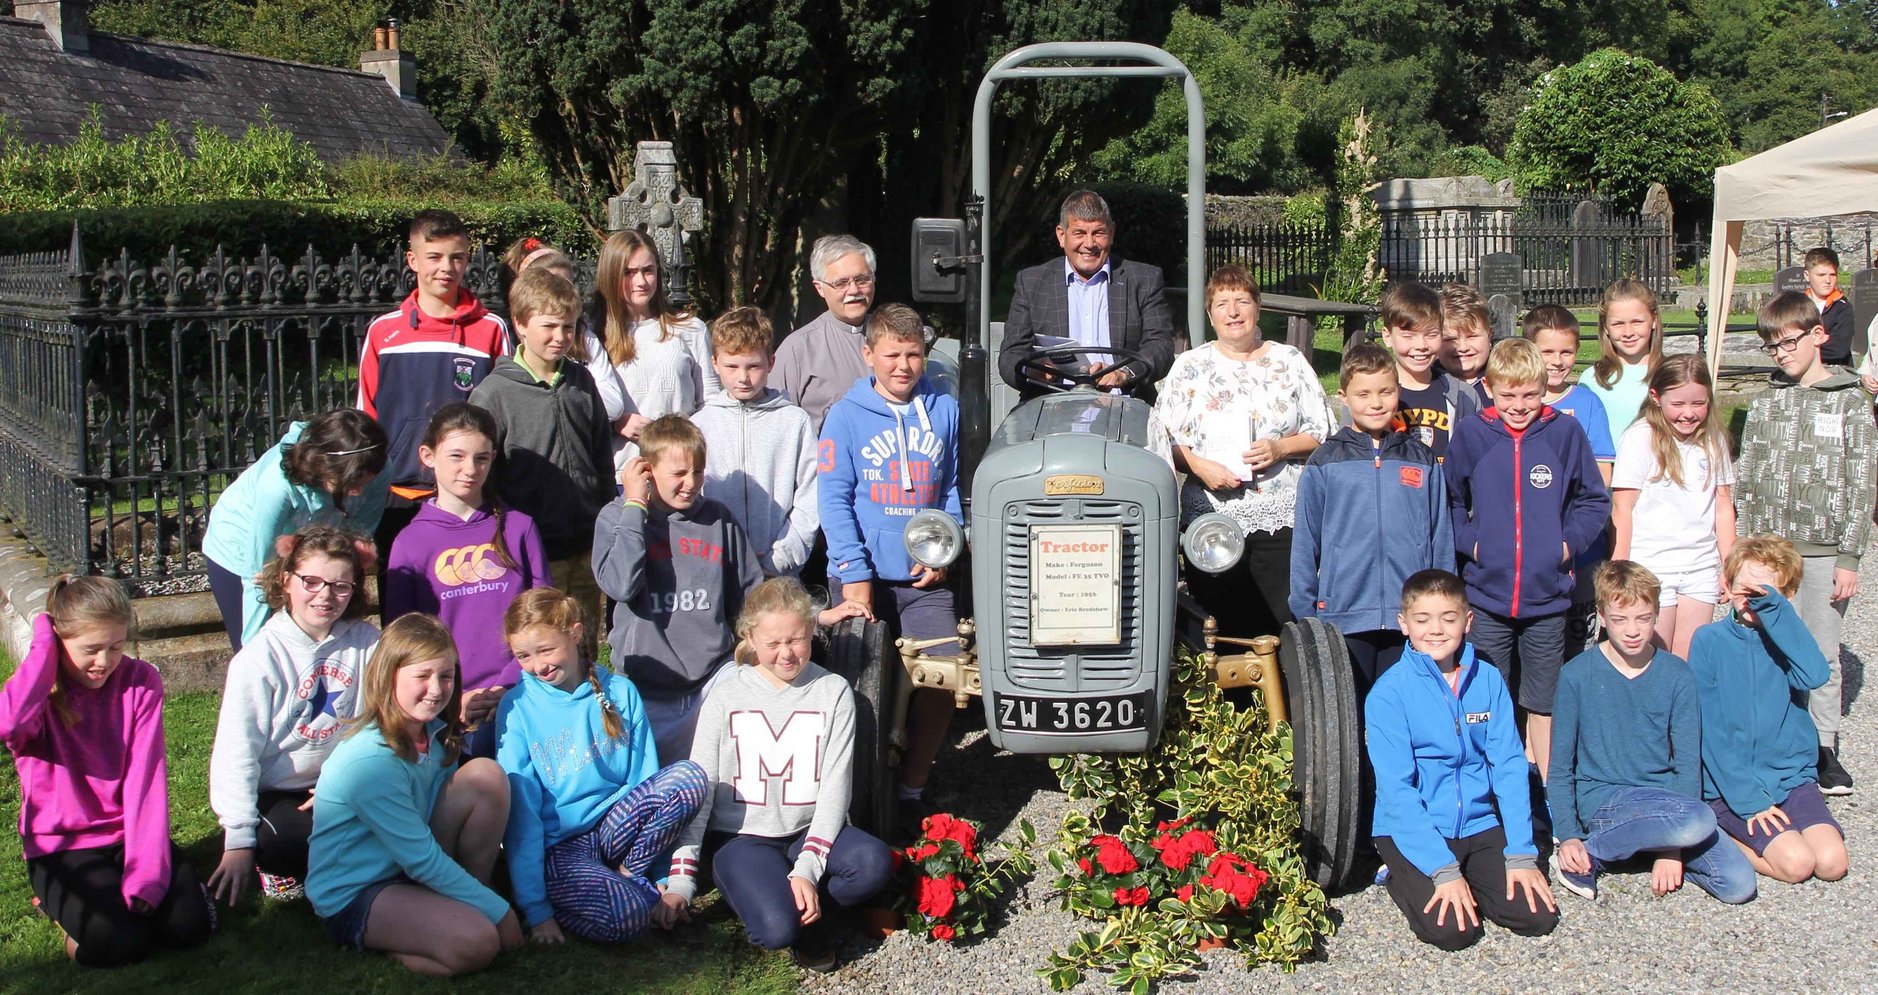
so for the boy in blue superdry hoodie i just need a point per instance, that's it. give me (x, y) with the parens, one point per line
(889, 449)
(1376, 496)
(1441, 737)
(1529, 508)
(1760, 749)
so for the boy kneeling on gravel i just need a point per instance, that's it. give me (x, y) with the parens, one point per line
(1626, 777)
(1440, 730)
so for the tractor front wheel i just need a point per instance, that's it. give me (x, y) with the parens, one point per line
(1327, 748)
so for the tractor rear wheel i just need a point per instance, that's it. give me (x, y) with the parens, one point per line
(861, 653)
(1327, 747)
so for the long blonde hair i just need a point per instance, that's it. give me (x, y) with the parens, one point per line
(547, 608)
(1673, 372)
(777, 595)
(1610, 366)
(411, 639)
(610, 273)
(78, 604)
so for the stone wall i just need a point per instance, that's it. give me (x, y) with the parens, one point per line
(1853, 236)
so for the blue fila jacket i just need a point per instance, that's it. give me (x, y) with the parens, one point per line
(1369, 514)
(1519, 502)
(1445, 759)
(878, 464)
(414, 364)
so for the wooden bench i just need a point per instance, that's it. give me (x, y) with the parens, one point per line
(1301, 314)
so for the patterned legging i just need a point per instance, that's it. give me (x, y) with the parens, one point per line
(596, 881)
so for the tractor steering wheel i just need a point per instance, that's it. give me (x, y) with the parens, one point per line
(1037, 367)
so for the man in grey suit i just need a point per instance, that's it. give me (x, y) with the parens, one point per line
(1094, 300)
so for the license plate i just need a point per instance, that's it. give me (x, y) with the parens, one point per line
(1074, 716)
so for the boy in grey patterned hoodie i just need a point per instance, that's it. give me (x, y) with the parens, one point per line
(1805, 474)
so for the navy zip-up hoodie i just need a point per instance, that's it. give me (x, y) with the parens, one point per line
(1445, 759)
(1514, 498)
(1382, 505)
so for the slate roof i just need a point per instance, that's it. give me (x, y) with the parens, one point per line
(136, 82)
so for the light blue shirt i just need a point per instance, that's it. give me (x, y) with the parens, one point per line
(1088, 305)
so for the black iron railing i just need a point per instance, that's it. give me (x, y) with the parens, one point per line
(1285, 258)
(133, 391)
(1566, 260)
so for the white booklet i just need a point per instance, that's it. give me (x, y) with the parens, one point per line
(1074, 363)
(1228, 435)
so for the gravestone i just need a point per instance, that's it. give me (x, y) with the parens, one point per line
(656, 203)
(1864, 308)
(1502, 283)
(1587, 250)
(1791, 278)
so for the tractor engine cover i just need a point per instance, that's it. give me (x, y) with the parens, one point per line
(1074, 528)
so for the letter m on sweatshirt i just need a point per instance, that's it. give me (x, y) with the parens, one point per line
(792, 753)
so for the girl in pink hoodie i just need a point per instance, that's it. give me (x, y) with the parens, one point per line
(85, 725)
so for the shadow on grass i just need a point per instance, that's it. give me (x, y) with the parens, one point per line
(276, 947)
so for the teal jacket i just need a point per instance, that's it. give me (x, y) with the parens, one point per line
(565, 772)
(1758, 740)
(262, 505)
(1445, 761)
(371, 823)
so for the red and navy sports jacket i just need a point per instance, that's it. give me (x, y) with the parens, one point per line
(414, 364)
(1514, 500)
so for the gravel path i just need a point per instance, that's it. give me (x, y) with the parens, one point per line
(1813, 938)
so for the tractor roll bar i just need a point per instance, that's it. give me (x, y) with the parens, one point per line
(1015, 66)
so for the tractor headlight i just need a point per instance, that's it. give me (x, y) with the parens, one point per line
(1213, 543)
(934, 539)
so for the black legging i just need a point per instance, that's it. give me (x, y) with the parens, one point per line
(83, 891)
(229, 599)
(1252, 598)
(280, 840)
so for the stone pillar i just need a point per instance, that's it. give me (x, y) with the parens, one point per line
(657, 204)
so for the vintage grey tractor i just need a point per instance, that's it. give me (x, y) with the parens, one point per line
(1074, 543)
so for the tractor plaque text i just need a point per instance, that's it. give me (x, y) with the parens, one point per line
(1075, 585)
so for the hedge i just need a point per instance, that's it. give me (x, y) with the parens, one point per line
(286, 227)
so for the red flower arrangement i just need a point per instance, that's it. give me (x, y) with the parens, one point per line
(1178, 861)
(948, 887)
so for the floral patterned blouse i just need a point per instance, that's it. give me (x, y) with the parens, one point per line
(1281, 395)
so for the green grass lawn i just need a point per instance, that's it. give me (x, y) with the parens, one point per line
(276, 948)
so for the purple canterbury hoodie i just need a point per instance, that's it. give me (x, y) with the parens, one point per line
(446, 566)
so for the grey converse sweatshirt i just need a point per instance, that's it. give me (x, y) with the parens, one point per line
(779, 759)
(680, 578)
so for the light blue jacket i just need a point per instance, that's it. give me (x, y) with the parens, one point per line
(371, 823)
(1444, 761)
(262, 505)
(565, 772)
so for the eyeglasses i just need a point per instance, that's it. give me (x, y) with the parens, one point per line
(1779, 346)
(861, 282)
(314, 585)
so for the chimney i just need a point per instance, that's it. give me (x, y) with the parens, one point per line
(65, 20)
(391, 62)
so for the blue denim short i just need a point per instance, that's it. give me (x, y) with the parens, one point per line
(347, 928)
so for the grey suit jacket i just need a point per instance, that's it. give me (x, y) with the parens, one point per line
(1138, 319)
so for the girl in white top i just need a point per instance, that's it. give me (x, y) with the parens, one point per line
(289, 693)
(1672, 504)
(1243, 415)
(1630, 342)
(662, 357)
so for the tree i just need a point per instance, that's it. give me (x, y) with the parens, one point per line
(1615, 123)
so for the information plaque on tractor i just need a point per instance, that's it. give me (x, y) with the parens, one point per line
(1075, 585)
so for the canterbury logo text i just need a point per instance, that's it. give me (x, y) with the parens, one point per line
(468, 565)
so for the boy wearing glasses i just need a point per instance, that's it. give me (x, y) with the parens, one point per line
(1805, 474)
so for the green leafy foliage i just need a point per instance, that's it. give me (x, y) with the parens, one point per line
(1354, 274)
(1217, 765)
(1615, 123)
(266, 161)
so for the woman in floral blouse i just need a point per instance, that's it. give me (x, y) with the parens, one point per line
(1243, 415)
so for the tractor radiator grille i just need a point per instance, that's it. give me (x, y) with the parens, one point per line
(1101, 666)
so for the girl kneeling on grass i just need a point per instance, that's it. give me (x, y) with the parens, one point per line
(592, 811)
(776, 737)
(85, 725)
(288, 693)
(403, 839)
